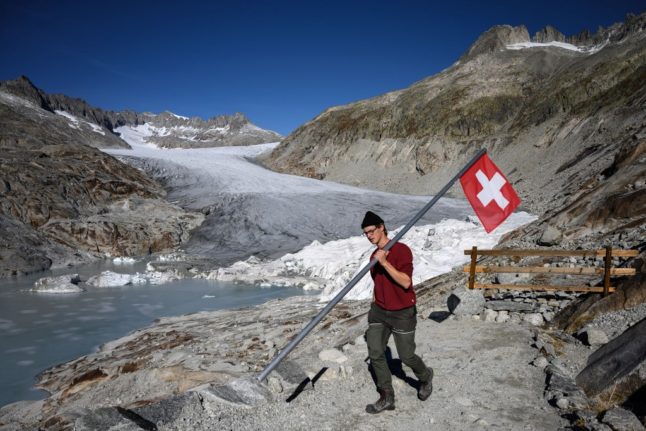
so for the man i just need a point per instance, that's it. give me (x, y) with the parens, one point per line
(392, 312)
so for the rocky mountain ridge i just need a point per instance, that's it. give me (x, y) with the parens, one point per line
(567, 126)
(171, 130)
(499, 37)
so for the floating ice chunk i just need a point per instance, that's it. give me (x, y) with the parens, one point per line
(110, 279)
(61, 284)
(160, 277)
(123, 260)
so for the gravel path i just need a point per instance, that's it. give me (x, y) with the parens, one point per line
(483, 380)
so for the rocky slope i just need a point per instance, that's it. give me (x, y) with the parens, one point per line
(63, 201)
(565, 122)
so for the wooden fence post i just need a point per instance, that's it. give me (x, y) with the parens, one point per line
(606, 272)
(472, 270)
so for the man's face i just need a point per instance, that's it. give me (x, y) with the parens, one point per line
(374, 233)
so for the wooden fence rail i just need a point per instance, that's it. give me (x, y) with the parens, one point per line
(607, 271)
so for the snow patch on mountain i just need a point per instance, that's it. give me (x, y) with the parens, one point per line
(75, 122)
(562, 45)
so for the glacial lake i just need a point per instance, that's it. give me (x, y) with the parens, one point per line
(40, 330)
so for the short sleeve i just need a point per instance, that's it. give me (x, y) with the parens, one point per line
(403, 261)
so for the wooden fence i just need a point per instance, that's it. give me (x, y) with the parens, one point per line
(607, 271)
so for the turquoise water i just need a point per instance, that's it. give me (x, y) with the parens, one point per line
(38, 331)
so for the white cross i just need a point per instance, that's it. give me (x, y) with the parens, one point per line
(491, 189)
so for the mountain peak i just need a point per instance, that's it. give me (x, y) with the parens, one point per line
(496, 38)
(24, 88)
(548, 34)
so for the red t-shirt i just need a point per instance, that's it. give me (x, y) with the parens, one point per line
(388, 294)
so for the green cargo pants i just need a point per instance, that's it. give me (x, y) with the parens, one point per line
(401, 324)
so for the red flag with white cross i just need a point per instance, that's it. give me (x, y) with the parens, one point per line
(489, 193)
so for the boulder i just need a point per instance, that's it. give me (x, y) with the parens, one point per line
(332, 355)
(621, 420)
(513, 278)
(243, 392)
(489, 315)
(540, 362)
(463, 301)
(593, 337)
(614, 360)
(560, 385)
(503, 316)
(512, 306)
(551, 236)
(535, 319)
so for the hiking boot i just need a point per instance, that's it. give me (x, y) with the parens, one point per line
(385, 402)
(426, 388)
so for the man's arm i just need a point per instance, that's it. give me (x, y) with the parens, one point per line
(400, 278)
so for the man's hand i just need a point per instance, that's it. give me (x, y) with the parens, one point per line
(381, 256)
(400, 278)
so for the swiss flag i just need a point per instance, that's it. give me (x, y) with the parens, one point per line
(489, 193)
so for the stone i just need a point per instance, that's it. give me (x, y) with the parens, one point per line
(466, 302)
(360, 340)
(550, 236)
(540, 362)
(465, 402)
(588, 419)
(330, 374)
(548, 316)
(107, 418)
(489, 315)
(593, 337)
(274, 385)
(614, 360)
(511, 306)
(562, 403)
(513, 278)
(560, 385)
(515, 318)
(622, 420)
(503, 316)
(535, 319)
(346, 371)
(332, 355)
(242, 391)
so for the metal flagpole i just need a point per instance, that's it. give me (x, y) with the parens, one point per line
(292, 344)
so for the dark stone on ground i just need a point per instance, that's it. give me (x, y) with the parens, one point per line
(614, 360)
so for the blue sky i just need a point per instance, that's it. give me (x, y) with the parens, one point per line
(279, 62)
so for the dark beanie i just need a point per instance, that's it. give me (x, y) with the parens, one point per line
(371, 219)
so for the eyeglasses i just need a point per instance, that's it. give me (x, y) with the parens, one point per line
(370, 231)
